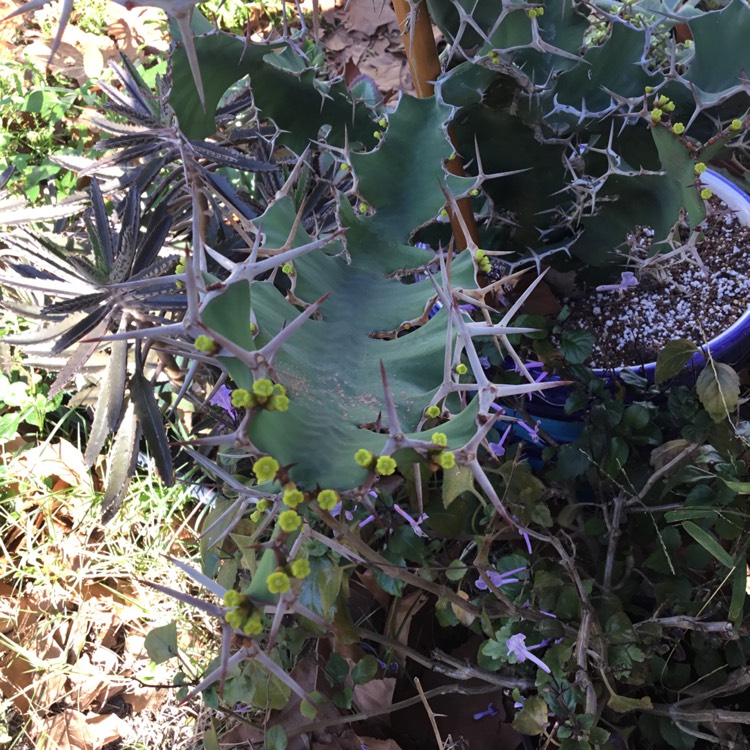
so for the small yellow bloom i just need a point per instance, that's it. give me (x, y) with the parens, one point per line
(266, 468)
(253, 624)
(293, 497)
(439, 438)
(385, 466)
(233, 598)
(328, 499)
(461, 368)
(364, 458)
(445, 460)
(235, 617)
(289, 520)
(277, 402)
(700, 168)
(735, 125)
(432, 411)
(263, 387)
(706, 193)
(205, 344)
(241, 398)
(300, 568)
(678, 128)
(278, 582)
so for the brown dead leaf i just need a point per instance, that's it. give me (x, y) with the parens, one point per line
(367, 16)
(145, 698)
(374, 694)
(407, 608)
(61, 459)
(107, 728)
(464, 617)
(8, 608)
(665, 453)
(93, 679)
(33, 675)
(339, 40)
(68, 730)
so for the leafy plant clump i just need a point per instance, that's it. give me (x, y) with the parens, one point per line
(275, 254)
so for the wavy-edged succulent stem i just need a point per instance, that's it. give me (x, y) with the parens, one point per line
(424, 65)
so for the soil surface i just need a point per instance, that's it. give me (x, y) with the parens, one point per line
(695, 294)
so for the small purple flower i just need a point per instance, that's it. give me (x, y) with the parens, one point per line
(530, 365)
(367, 520)
(527, 540)
(415, 525)
(485, 362)
(517, 647)
(533, 431)
(491, 711)
(223, 399)
(499, 579)
(527, 604)
(336, 510)
(627, 278)
(498, 448)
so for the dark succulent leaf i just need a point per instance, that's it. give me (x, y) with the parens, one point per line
(110, 400)
(79, 358)
(6, 175)
(168, 185)
(17, 212)
(148, 173)
(117, 128)
(158, 301)
(121, 464)
(152, 424)
(158, 227)
(76, 304)
(136, 86)
(105, 255)
(38, 336)
(86, 269)
(79, 330)
(228, 157)
(128, 103)
(44, 254)
(131, 140)
(29, 272)
(127, 242)
(240, 103)
(224, 189)
(122, 157)
(158, 268)
(130, 114)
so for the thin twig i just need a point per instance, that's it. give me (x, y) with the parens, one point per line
(430, 714)
(392, 708)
